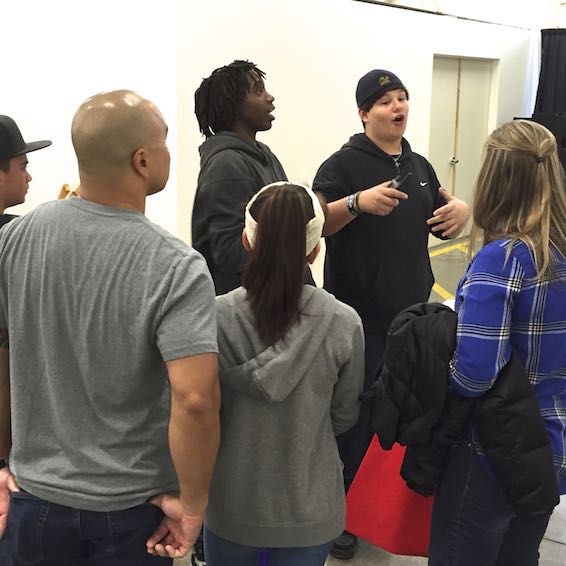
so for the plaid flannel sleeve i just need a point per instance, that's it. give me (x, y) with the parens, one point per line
(483, 346)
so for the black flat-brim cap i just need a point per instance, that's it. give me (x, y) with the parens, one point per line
(12, 142)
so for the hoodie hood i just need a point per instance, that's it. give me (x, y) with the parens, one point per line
(229, 140)
(361, 142)
(270, 373)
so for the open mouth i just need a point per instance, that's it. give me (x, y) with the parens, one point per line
(399, 118)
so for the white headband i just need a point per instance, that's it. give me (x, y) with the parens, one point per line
(314, 226)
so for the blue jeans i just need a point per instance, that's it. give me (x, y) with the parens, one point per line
(40, 533)
(472, 521)
(220, 552)
(353, 444)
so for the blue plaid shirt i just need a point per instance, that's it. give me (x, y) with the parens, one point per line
(502, 307)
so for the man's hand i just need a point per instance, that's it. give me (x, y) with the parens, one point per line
(7, 486)
(177, 532)
(451, 218)
(381, 199)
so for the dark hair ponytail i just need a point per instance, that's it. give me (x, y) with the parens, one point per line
(274, 274)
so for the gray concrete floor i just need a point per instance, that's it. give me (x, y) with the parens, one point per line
(449, 261)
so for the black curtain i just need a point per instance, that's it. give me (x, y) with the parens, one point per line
(551, 94)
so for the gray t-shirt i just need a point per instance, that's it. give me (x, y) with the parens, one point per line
(95, 299)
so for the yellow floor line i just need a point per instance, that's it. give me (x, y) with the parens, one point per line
(442, 292)
(461, 246)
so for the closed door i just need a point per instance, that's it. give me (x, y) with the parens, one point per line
(461, 96)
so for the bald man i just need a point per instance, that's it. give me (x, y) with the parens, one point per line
(108, 325)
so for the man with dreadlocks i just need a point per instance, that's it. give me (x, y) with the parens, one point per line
(231, 107)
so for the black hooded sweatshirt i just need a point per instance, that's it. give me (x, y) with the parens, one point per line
(232, 170)
(379, 265)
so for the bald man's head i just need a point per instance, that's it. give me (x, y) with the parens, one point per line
(110, 127)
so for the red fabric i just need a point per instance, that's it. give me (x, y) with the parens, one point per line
(382, 510)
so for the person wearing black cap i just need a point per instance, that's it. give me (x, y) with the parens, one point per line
(377, 233)
(14, 177)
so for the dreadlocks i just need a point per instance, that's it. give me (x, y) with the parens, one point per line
(219, 97)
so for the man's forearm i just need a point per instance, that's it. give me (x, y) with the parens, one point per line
(194, 436)
(336, 215)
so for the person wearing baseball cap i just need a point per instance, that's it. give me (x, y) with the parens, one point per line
(14, 177)
(381, 200)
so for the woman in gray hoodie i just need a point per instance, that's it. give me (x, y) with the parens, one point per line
(291, 371)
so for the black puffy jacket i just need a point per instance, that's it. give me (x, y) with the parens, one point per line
(412, 405)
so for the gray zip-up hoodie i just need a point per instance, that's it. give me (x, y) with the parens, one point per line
(278, 477)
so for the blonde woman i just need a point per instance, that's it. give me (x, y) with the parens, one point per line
(512, 300)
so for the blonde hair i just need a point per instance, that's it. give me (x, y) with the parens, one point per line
(520, 193)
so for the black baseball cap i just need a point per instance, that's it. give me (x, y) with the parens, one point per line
(375, 84)
(12, 143)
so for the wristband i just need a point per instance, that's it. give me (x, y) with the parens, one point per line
(357, 202)
(351, 204)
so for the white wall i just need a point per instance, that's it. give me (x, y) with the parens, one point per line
(57, 53)
(314, 51)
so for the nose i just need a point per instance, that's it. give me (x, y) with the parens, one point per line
(28, 177)
(402, 104)
(269, 97)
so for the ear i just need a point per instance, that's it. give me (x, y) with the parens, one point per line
(245, 241)
(313, 255)
(140, 162)
(363, 115)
